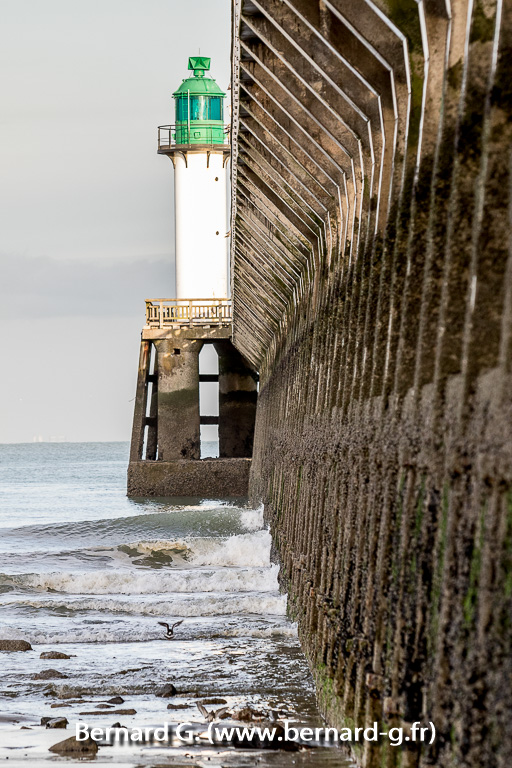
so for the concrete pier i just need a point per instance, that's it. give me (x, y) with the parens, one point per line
(210, 478)
(165, 456)
(372, 290)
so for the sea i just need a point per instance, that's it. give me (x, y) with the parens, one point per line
(90, 573)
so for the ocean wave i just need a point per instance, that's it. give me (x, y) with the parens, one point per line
(199, 605)
(141, 582)
(245, 549)
(217, 518)
(105, 634)
(249, 550)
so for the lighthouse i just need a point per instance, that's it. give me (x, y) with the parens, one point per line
(166, 450)
(198, 146)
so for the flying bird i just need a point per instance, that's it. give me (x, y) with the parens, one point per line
(169, 635)
(213, 715)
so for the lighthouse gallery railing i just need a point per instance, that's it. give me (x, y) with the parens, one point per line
(207, 134)
(161, 313)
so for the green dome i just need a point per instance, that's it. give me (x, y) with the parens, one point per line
(198, 83)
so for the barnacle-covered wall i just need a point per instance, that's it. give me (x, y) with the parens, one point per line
(372, 288)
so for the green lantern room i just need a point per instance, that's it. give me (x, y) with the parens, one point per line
(199, 107)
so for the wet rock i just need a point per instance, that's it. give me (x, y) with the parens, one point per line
(62, 704)
(166, 691)
(213, 701)
(110, 712)
(115, 700)
(73, 747)
(118, 725)
(103, 706)
(25, 728)
(54, 655)
(178, 706)
(57, 722)
(15, 645)
(49, 674)
(247, 715)
(156, 560)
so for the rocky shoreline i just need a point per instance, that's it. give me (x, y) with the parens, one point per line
(103, 710)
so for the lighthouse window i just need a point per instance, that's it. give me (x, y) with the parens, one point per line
(181, 108)
(198, 108)
(201, 108)
(215, 108)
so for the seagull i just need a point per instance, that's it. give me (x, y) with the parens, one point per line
(169, 635)
(213, 715)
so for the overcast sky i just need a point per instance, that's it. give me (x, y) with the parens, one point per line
(85, 202)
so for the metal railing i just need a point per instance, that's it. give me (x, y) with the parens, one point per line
(162, 313)
(209, 134)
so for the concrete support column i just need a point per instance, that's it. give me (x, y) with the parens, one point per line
(139, 412)
(178, 398)
(237, 402)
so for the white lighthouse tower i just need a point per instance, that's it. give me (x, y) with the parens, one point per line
(165, 454)
(199, 149)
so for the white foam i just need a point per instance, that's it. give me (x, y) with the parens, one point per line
(287, 630)
(252, 519)
(129, 634)
(143, 582)
(246, 549)
(198, 605)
